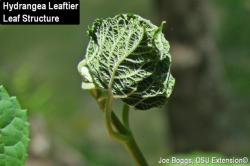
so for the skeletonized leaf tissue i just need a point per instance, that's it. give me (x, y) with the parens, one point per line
(128, 55)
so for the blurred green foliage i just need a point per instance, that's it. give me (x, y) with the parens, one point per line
(234, 47)
(233, 40)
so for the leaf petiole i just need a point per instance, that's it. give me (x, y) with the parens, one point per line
(125, 116)
(108, 119)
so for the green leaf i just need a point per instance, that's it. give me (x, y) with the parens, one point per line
(14, 131)
(130, 56)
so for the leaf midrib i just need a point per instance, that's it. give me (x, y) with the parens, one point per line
(122, 59)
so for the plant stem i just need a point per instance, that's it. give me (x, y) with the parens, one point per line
(125, 115)
(123, 133)
(131, 144)
(108, 117)
(101, 103)
(135, 152)
(118, 125)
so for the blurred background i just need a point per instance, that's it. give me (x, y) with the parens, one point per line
(209, 111)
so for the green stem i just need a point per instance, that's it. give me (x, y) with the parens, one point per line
(108, 117)
(131, 144)
(135, 152)
(101, 103)
(125, 115)
(123, 134)
(118, 125)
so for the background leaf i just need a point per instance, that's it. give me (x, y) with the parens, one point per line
(14, 131)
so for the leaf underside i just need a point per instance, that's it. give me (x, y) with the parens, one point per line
(130, 56)
(14, 131)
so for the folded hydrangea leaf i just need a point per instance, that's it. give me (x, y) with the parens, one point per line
(14, 131)
(130, 56)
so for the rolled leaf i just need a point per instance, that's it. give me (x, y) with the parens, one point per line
(130, 56)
